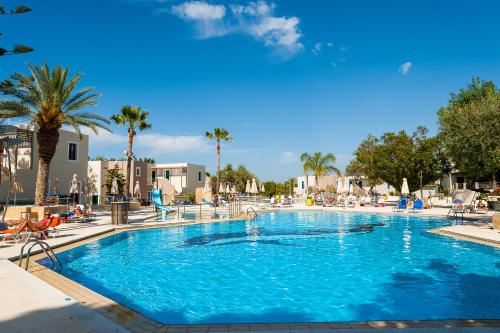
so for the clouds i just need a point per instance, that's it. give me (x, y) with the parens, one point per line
(317, 48)
(199, 10)
(154, 144)
(288, 157)
(405, 68)
(255, 19)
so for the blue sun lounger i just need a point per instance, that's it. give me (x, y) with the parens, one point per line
(402, 205)
(159, 206)
(418, 206)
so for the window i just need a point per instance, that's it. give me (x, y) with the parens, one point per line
(72, 151)
(138, 171)
(153, 176)
(303, 186)
(199, 176)
(167, 174)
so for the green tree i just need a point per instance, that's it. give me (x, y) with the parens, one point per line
(321, 165)
(147, 160)
(470, 130)
(395, 156)
(271, 188)
(47, 98)
(237, 177)
(17, 49)
(115, 173)
(219, 135)
(135, 120)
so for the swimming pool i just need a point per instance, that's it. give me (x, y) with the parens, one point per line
(295, 267)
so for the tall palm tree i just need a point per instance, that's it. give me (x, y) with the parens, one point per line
(321, 165)
(47, 100)
(135, 119)
(219, 134)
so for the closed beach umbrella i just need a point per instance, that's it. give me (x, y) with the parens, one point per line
(74, 185)
(350, 191)
(233, 190)
(114, 187)
(340, 186)
(346, 186)
(254, 188)
(221, 188)
(208, 188)
(248, 187)
(137, 189)
(55, 188)
(262, 188)
(16, 187)
(404, 188)
(228, 189)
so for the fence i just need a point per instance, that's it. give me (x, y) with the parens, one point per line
(206, 212)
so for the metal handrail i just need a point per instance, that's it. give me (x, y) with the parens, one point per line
(45, 248)
(251, 208)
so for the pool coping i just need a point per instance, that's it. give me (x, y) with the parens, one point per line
(136, 322)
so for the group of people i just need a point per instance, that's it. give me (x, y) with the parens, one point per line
(24, 224)
(277, 199)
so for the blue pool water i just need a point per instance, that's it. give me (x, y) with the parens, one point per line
(300, 267)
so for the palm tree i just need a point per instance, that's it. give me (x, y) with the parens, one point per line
(47, 99)
(135, 119)
(219, 134)
(321, 165)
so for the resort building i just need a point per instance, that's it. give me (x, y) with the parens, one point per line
(327, 183)
(97, 171)
(185, 177)
(324, 183)
(70, 158)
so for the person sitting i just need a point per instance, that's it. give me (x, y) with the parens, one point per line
(428, 202)
(482, 207)
(40, 226)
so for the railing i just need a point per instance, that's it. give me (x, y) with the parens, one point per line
(45, 248)
(195, 212)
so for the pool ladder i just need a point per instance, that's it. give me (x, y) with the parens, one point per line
(254, 212)
(45, 248)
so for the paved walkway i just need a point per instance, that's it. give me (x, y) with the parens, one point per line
(31, 305)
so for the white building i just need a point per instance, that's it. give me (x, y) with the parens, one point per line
(70, 158)
(333, 181)
(185, 177)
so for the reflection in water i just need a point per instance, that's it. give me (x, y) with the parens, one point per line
(263, 232)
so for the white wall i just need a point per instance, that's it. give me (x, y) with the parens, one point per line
(60, 167)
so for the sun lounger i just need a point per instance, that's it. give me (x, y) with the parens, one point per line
(401, 206)
(418, 206)
(14, 234)
(463, 203)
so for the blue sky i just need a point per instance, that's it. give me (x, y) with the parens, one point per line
(284, 77)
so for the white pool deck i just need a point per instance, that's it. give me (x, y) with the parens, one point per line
(29, 304)
(32, 305)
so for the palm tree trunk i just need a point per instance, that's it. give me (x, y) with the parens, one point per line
(47, 143)
(129, 161)
(307, 183)
(316, 180)
(218, 167)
